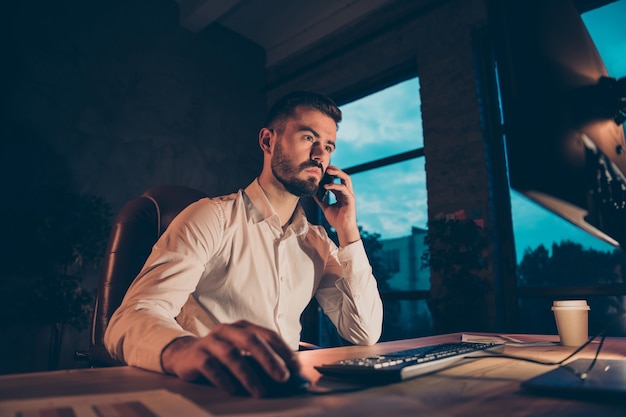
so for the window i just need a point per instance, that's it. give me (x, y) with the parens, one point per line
(556, 259)
(392, 260)
(380, 144)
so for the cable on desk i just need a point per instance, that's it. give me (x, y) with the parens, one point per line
(561, 363)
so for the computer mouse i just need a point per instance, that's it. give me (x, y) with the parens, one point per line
(296, 384)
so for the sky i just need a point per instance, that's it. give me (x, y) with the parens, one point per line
(389, 200)
(375, 127)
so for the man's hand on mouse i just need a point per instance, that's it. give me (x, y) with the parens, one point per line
(222, 356)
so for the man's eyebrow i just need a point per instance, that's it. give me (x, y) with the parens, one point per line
(314, 132)
(309, 129)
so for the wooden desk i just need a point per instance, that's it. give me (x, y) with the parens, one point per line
(485, 387)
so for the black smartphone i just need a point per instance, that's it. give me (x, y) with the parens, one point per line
(322, 193)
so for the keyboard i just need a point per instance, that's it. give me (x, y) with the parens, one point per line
(405, 364)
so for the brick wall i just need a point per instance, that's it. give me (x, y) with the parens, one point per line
(456, 166)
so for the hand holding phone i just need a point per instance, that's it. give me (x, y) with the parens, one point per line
(339, 204)
(322, 193)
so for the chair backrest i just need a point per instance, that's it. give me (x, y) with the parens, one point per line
(136, 228)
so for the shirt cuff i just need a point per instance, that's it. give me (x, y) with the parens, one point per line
(353, 259)
(147, 354)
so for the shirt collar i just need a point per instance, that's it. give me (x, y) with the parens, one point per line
(260, 209)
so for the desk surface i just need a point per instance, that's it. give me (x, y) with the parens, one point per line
(487, 387)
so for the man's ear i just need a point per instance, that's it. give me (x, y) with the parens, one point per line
(265, 139)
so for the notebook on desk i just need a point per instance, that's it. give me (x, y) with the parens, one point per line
(606, 382)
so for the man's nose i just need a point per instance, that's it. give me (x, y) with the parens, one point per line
(317, 153)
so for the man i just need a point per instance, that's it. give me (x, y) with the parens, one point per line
(231, 276)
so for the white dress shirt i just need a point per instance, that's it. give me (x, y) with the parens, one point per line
(227, 259)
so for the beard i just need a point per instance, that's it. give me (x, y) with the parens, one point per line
(285, 172)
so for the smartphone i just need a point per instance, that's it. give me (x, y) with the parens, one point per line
(322, 193)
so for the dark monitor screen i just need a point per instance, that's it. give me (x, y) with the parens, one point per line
(563, 116)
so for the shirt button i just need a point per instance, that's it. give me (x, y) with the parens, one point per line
(281, 316)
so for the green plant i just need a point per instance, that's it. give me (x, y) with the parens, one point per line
(59, 236)
(456, 254)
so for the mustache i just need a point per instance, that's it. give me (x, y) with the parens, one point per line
(312, 164)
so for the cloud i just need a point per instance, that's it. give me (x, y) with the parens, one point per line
(382, 124)
(391, 200)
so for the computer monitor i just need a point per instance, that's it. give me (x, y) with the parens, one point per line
(563, 115)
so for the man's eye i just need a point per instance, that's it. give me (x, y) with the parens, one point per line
(329, 149)
(308, 137)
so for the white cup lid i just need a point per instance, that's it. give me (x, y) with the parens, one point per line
(570, 305)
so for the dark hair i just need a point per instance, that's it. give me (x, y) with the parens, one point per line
(285, 107)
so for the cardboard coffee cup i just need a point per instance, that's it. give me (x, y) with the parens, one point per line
(572, 321)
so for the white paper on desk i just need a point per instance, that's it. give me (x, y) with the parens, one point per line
(507, 340)
(153, 403)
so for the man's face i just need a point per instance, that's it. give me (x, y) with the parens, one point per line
(302, 151)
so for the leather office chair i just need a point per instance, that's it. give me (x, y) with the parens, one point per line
(136, 228)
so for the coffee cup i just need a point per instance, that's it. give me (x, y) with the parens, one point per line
(572, 321)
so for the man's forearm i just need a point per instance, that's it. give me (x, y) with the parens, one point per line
(170, 352)
(348, 235)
